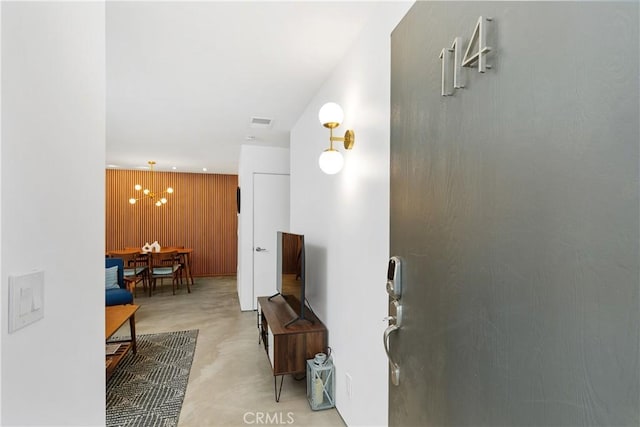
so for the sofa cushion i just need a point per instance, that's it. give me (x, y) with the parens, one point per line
(111, 278)
(118, 296)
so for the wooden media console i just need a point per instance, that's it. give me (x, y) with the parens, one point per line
(288, 347)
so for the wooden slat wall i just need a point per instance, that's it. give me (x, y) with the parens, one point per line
(200, 214)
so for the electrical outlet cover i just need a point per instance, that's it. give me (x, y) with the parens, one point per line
(26, 299)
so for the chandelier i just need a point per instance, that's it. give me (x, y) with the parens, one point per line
(158, 197)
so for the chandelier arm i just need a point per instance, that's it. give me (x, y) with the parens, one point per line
(150, 194)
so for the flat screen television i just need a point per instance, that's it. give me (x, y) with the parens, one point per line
(290, 276)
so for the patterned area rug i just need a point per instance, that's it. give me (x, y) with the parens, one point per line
(147, 388)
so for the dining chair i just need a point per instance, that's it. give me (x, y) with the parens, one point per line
(165, 265)
(136, 268)
(141, 258)
(181, 259)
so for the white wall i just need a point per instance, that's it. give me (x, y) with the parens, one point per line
(52, 199)
(253, 159)
(2, 297)
(345, 218)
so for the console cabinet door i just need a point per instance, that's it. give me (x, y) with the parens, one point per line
(270, 346)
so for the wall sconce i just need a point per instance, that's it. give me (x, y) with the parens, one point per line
(331, 160)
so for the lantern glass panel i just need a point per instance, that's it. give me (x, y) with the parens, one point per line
(320, 385)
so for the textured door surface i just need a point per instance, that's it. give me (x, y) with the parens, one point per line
(271, 214)
(515, 208)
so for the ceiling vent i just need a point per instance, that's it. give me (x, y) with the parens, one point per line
(261, 122)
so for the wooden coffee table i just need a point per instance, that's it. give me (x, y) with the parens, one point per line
(115, 317)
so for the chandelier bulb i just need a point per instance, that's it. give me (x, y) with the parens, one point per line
(132, 201)
(138, 187)
(158, 203)
(163, 200)
(145, 191)
(169, 190)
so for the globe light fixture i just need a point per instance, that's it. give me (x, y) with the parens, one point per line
(158, 197)
(331, 160)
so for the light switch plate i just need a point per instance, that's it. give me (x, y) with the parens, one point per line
(26, 299)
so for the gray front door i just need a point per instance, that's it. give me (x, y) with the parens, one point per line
(515, 212)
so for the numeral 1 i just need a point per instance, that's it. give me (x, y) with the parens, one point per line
(445, 57)
(458, 80)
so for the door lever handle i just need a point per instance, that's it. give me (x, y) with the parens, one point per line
(259, 249)
(395, 369)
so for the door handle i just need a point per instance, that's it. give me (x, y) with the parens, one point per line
(259, 249)
(395, 369)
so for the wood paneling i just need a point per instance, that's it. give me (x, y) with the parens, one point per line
(200, 214)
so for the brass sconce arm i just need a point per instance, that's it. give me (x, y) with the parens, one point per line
(349, 138)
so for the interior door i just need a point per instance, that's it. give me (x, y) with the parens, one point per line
(270, 214)
(514, 212)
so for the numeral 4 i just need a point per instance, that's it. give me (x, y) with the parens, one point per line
(478, 39)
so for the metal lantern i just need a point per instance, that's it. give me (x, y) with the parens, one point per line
(321, 386)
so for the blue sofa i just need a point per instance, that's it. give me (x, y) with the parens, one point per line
(121, 295)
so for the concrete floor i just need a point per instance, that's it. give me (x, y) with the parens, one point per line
(231, 382)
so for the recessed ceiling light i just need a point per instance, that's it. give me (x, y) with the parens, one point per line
(174, 168)
(204, 169)
(113, 166)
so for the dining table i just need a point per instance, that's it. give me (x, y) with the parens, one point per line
(184, 253)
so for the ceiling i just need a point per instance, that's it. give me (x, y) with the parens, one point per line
(185, 79)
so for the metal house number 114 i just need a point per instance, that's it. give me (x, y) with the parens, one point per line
(477, 49)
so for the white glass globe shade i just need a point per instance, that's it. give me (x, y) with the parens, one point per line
(132, 201)
(331, 113)
(145, 191)
(169, 190)
(158, 203)
(163, 200)
(138, 187)
(331, 161)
